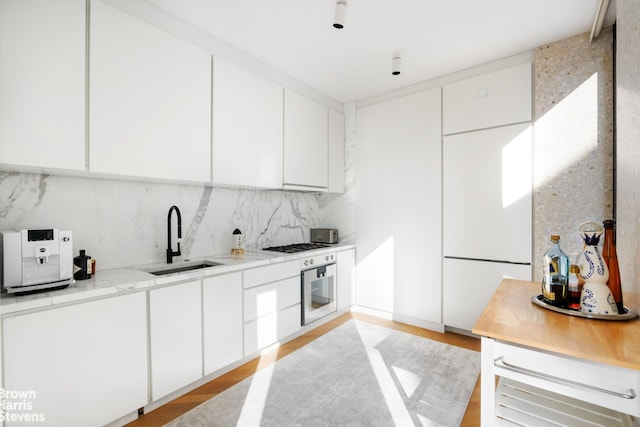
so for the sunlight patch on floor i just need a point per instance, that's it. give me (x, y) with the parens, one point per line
(391, 394)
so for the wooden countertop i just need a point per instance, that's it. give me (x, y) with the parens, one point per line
(511, 317)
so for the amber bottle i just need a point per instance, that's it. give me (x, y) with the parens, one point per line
(611, 258)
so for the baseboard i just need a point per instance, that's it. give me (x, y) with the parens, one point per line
(437, 327)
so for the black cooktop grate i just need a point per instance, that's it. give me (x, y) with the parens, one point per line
(297, 247)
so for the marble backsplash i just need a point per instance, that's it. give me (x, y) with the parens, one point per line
(124, 223)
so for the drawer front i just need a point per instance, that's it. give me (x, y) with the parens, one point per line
(263, 300)
(604, 385)
(266, 330)
(271, 273)
(493, 99)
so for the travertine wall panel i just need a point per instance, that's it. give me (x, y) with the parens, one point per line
(573, 139)
(628, 142)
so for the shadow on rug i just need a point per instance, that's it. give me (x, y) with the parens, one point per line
(358, 374)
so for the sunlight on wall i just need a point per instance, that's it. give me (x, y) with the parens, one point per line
(517, 168)
(376, 278)
(567, 132)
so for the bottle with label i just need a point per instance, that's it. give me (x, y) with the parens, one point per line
(81, 266)
(611, 258)
(555, 274)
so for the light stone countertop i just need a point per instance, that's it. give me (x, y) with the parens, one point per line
(120, 280)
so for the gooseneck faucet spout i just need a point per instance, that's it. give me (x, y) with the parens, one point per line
(170, 252)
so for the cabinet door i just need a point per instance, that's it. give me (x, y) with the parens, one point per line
(336, 152)
(222, 320)
(499, 98)
(84, 364)
(306, 143)
(150, 103)
(42, 82)
(487, 188)
(346, 278)
(262, 300)
(266, 330)
(467, 287)
(247, 128)
(399, 210)
(175, 325)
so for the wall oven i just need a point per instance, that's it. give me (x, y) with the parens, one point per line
(318, 280)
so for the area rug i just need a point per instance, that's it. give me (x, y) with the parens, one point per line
(358, 374)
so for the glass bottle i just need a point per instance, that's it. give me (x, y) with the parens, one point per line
(611, 258)
(555, 274)
(575, 282)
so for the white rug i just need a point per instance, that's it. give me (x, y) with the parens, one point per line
(358, 374)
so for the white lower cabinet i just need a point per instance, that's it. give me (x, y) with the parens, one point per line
(222, 320)
(175, 329)
(78, 365)
(271, 309)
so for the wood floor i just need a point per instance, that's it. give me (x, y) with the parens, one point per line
(179, 406)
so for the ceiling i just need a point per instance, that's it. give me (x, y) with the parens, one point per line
(434, 37)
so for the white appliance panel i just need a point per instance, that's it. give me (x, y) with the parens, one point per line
(469, 285)
(487, 187)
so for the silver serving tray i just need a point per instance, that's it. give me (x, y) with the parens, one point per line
(627, 315)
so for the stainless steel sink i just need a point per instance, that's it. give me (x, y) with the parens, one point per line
(160, 271)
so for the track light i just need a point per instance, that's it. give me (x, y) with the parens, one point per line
(341, 12)
(395, 65)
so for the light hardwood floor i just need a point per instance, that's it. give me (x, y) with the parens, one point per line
(190, 400)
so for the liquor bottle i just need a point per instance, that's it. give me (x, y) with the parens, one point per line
(575, 282)
(555, 274)
(611, 258)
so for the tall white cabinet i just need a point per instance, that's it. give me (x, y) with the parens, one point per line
(487, 189)
(247, 128)
(150, 100)
(399, 210)
(42, 83)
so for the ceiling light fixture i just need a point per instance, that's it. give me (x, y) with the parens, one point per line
(395, 65)
(341, 12)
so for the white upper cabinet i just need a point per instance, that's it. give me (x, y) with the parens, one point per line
(42, 83)
(150, 100)
(247, 128)
(306, 143)
(493, 99)
(336, 152)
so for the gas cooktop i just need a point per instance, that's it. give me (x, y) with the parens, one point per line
(296, 247)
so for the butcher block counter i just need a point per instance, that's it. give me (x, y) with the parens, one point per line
(556, 358)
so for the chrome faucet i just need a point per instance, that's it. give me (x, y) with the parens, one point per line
(170, 252)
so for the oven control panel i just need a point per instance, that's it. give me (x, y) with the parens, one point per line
(317, 260)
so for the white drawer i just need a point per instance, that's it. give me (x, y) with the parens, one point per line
(271, 328)
(523, 405)
(266, 299)
(604, 385)
(493, 99)
(271, 273)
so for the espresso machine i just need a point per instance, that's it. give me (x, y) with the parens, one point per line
(36, 260)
